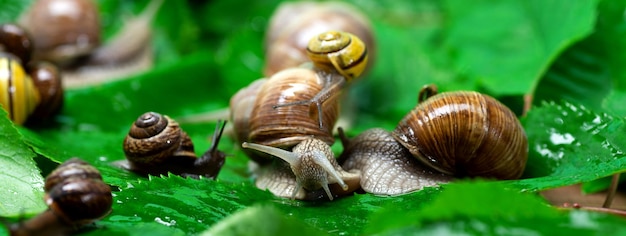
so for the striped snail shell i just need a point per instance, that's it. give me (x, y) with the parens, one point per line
(454, 134)
(156, 145)
(293, 24)
(283, 127)
(70, 169)
(19, 94)
(24, 97)
(465, 134)
(338, 51)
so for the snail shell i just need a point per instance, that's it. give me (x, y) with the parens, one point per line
(283, 127)
(465, 134)
(314, 167)
(157, 145)
(293, 24)
(19, 94)
(15, 40)
(75, 192)
(387, 168)
(340, 51)
(63, 30)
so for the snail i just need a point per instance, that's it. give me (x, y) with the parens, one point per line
(156, 145)
(33, 96)
(258, 124)
(15, 40)
(333, 52)
(68, 34)
(293, 24)
(75, 195)
(461, 134)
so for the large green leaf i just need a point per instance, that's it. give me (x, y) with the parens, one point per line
(206, 52)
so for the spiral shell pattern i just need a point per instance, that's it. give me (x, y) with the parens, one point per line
(338, 51)
(465, 134)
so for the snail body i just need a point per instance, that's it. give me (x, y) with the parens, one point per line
(314, 167)
(453, 134)
(387, 167)
(156, 145)
(75, 195)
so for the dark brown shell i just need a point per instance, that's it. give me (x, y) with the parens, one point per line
(15, 40)
(153, 138)
(293, 24)
(47, 79)
(465, 134)
(387, 168)
(284, 127)
(71, 169)
(80, 201)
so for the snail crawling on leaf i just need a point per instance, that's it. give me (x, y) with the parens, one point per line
(278, 112)
(29, 90)
(452, 134)
(75, 195)
(156, 145)
(68, 33)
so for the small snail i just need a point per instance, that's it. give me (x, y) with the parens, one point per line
(314, 167)
(35, 97)
(68, 33)
(462, 134)
(75, 195)
(333, 52)
(156, 145)
(293, 24)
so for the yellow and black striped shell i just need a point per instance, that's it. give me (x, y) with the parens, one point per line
(338, 51)
(293, 24)
(19, 95)
(465, 134)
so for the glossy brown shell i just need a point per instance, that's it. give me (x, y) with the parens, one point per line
(293, 24)
(80, 201)
(387, 168)
(63, 29)
(465, 134)
(72, 168)
(15, 40)
(47, 79)
(284, 127)
(154, 138)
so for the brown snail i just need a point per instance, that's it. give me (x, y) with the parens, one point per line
(156, 145)
(75, 195)
(68, 33)
(462, 134)
(289, 127)
(35, 95)
(293, 24)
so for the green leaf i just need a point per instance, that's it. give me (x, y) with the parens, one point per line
(262, 220)
(506, 46)
(486, 208)
(22, 184)
(570, 144)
